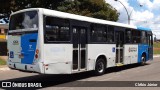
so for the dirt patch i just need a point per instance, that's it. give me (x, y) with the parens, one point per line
(3, 66)
(156, 48)
(4, 57)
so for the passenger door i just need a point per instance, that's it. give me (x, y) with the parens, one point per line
(119, 46)
(79, 47)
(150, 47)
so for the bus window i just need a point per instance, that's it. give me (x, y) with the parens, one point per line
(149, 38)
(136, 35)
(98, 33)
(128, 36)
(56, 30)
(24, 20)
(110, 36)
(144, 37)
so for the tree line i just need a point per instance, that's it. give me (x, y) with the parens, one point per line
(91, 8)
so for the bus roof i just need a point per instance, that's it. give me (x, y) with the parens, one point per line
(80, 18)
(143, 28)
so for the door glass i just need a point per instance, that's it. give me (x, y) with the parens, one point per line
(119, 45)
(83, 46)
(75, 59)
(83, 38)
(79, 48)
(75, 48)
(75, 38)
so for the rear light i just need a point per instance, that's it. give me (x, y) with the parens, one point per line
(36, 55)
(37, 51)
(45, 64)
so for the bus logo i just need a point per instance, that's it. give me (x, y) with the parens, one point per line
(30, 46)
(15, 42)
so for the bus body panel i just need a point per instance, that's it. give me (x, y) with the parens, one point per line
(28, 47)
(58, 58)
(27, 62)
(130, 54)
(14, 47)
(22, 48)
(95, 50)
(27, 67)
(142, 48)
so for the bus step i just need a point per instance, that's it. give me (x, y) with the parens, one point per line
(119, 64)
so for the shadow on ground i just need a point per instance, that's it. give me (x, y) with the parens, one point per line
(64, 80)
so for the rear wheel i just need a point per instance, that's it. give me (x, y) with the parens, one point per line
(143, 60)
(100, 66)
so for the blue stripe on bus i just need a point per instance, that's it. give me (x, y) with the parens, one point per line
(143, 28)
(142, 48)
(28, 47)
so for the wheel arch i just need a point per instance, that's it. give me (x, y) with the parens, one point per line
(144, 54)
(101, 56)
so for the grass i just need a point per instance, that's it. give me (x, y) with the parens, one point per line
(2, 62)
(156, 51)
(156, 45)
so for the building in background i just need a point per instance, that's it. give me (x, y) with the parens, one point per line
(3, 32)
(3, 36)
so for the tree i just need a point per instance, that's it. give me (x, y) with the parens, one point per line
(92, 8)
(23, 4)
(4, 8)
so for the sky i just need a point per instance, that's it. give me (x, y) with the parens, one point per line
(145, 13)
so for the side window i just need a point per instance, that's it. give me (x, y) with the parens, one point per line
(56, 30)
(136, 36)
(149, 38)
(128, 34)
(110, 34)
(144, 37)
(98, 33)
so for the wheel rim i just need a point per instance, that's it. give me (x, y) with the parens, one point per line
(143, 60)
(100, 67)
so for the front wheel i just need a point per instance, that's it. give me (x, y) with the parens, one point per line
(100, 67)
(143, 60)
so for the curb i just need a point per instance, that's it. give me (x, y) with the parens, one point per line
(156, 56)
(4, 68)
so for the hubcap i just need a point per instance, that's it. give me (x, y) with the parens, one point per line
(143, 60)
(100, 67)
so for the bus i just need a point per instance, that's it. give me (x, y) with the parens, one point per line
(53, 42)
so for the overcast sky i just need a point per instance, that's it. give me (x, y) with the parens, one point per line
(147, 16)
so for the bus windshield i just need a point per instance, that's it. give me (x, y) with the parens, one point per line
(24, 20)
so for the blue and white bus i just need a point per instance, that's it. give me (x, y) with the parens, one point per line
(53, 42)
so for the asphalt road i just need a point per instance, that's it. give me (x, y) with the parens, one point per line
(149, 72)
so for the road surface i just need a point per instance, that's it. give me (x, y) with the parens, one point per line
(136, 72)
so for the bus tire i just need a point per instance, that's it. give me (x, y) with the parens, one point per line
(100, 67)
(143, 60)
